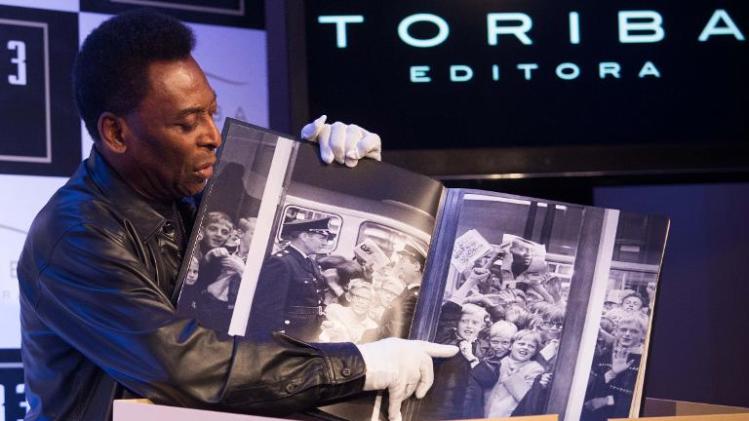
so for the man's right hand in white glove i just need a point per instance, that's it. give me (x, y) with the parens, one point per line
(403, 367)
(343, 143)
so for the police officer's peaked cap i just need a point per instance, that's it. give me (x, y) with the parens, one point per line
(316, 226)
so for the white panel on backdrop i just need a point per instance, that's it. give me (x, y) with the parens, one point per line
(235, 61)
(61, 5)
(25, 197)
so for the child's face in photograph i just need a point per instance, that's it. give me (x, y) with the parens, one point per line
(552, 328)
(216, 233)
(629, 334)
(500, 344)
(631, 304)
(523, 349)
(469, 326)
(192, 272)
(233, 239)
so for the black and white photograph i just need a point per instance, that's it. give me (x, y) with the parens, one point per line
(338, 255)
(370, 211)
(347, 253)
(289, 245)
(625, 318)
(218, 251)
(503, 306)
(514, 294)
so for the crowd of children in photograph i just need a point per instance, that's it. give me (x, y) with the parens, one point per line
(215, 271)
(356, 299)
(506, 314)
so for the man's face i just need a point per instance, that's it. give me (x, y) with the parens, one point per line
(216, 233)
(521, 254)
(629, 334)
(469, 326)
(314, 242)
(523, 349)
(171, 137)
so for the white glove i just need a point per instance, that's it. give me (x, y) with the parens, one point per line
(344, 143)
(402, 367)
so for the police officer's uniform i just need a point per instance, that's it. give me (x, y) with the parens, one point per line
(291, 291)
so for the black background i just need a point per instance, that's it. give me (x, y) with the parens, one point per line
(700, 98)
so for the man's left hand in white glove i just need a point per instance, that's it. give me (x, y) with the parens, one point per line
(343, 143)
(403, 367)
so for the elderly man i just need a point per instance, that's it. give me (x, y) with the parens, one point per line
(98, 273)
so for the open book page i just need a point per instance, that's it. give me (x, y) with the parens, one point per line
(526, 313)
(625, 310)
(251, 171)
(324, 253)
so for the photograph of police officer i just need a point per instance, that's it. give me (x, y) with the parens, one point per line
(290, 293)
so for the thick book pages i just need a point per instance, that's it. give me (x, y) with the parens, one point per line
(549, 303)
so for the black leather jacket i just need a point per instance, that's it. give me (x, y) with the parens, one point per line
(98, 319)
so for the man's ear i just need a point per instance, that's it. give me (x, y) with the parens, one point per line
(111, 132)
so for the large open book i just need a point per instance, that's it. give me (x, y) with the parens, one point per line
(550, 303)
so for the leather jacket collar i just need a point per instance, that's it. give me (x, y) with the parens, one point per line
(131, 204)
(134, 207)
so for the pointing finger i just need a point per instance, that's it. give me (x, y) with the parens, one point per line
(438, 350)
